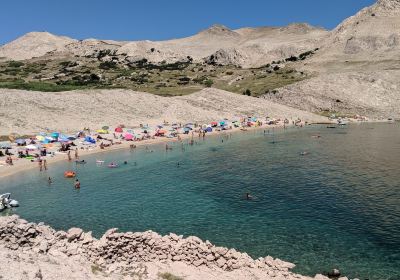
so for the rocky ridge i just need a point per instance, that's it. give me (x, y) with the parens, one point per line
(258, 45)
(122, 252)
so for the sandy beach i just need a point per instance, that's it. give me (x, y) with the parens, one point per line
(20, 165)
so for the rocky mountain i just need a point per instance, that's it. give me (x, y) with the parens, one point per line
(353, 69)
(34, 44)
(356, 68)
(248, 47)
(372, 35)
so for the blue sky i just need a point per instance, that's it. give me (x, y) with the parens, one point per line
(162, 19)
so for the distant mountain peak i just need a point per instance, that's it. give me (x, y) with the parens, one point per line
(219, 29)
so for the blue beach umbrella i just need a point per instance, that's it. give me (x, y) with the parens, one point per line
(20, 141)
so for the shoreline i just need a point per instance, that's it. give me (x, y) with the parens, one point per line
(6, 171)
(20, 166)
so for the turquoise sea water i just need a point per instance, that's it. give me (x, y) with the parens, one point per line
(337, 207)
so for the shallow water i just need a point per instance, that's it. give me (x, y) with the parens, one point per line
(338, 206)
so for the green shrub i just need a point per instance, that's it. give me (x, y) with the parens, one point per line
(15, 64)
(247, 92)
(208, 83)
(107, 65)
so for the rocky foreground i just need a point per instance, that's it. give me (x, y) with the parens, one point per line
(36, 251)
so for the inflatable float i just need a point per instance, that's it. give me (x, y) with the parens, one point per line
(69, 174)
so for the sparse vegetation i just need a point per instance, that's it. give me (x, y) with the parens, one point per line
(247, 92)
(165, 79)
(107, 65)
(15, 64)
(96, 269)
(208, 83)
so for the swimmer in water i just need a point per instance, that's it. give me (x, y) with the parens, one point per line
(125, 162)
(77, 184)
(248, 196)
(49, 181)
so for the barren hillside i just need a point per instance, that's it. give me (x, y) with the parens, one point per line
(357, 67)
(31, 112)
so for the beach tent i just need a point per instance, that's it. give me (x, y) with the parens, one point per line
(118, 129)
(40, 137)
(213, 124)
(208, 129)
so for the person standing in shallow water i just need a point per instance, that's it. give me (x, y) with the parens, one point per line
(76, 154)
(69, 155)
(45, 164)
(77, 184)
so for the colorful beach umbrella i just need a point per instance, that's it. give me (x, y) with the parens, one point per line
(102, 131)
(20, 141)
(32, 147)
(128, 136)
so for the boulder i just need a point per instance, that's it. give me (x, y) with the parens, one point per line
(334, 273)
(221, 262)
(198, 262)
(74, 233)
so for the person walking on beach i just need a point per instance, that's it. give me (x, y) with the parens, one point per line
(77, 184)
(69, 155)
(9, 161)
(40, 164)
(45, 164)
(76, 154)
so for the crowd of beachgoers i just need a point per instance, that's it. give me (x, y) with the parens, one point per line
(38, 150)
